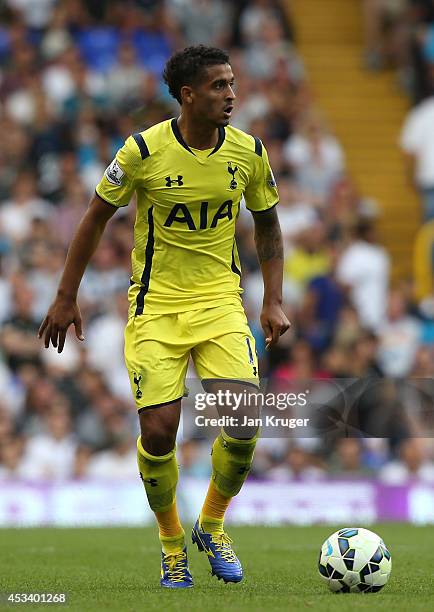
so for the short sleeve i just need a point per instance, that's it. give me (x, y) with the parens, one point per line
(261, 191)
(118, 182)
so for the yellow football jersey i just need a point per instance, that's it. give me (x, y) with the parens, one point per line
(185, 256)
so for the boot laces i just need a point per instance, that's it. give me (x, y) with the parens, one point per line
(175, 566)
(223, 545)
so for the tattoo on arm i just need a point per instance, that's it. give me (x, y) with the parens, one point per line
(268, 237)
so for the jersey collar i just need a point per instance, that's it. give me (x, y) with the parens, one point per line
(177, 133)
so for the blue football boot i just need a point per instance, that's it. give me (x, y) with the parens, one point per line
(224, 562)
(174, 571)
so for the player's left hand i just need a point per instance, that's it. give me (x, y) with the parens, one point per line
(274, 323)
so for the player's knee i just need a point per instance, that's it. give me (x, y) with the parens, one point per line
(158, 430)
(158, 442)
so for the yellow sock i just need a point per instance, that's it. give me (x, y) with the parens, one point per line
(173, 544)
(172, 536)
(168, 522)
(213, 510)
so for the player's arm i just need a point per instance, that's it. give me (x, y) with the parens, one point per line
(114, 190)
(65, 310)
(261, 198)
(269, 246)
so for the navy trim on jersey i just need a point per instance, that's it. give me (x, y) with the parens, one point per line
(258, 146)
(144, 151)
(179, 138)
(249, 349)
(208, 381)
(234, 267)
(261, 212)
(153, 406)
(106, 201)
(178, 135)
(220, 141)
(146, 276)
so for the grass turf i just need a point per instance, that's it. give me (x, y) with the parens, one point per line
(118, 569)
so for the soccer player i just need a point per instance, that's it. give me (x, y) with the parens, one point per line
(189, 174)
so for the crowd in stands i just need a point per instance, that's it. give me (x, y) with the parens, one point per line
(399, 34)
(76, 78)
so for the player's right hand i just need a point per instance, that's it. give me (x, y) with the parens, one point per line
(60, 315)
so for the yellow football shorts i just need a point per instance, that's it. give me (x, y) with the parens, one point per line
(158, 347)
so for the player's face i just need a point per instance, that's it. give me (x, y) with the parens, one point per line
(213, 99)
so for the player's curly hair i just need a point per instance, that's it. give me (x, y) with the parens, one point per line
(186, 67)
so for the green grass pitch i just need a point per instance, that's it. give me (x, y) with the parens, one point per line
(118, 569)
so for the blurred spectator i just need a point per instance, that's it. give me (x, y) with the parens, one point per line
(11, 455)
(301, 365)
(55, 38)
(365, 361)
(399, 338)
(18, 338)
(425, 312)
(315, 157)
(418, 145)
(412, 463)
(364, 269)
(105, 353)
(423, 365)
(125, 78)
(386, 33)
(308, 259)
(271, 53)
(297, 465)
(321, 306)
(7, 426)
(5, 295)
(14, 153)
(348, 329)
(335, 361)
(253, 16)
(17, 213)
(38, 400)
(50, 454)
(36, 14)
(118, 461)
(296, 214)
(105, 277)
(203, 20)
(46, 262)
(345, 207)
(98, 407)
(69, 211)
(348, 458)
(81, 462)
(193, 459)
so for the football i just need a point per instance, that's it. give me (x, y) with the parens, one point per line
(355, 560)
